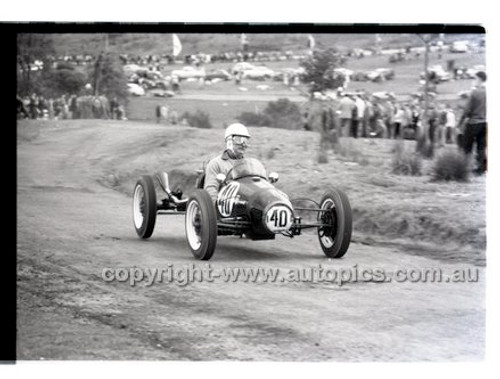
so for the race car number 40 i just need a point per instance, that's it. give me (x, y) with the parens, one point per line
(279, 218)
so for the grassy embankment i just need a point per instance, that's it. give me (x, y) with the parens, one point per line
(442, 220)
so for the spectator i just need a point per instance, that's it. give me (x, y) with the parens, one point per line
(367, 116)
(73, 107)
(450, 133)
(33, 107)
(120, 113)
(50, 108)
(305, 121)
(175, 84)
(398, 122)
(113, 107)
(390, 111)
(406, 120)
(433, 121)
(345, 111)
(354, 120)
(22, 112)
(415, 118)
(238, 77)
(440, 129)
(158, 113)
(476, 126)
(360, 113)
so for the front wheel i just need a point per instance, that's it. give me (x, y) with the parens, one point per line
(201, 225)
(144, 207)
(335, 235)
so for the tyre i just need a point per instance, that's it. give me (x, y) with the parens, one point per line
(201, 225)
(144, 207)
(335, 237)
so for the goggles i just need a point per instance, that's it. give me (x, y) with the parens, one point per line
(240, 139)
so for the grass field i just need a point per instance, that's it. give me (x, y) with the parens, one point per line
(221, 112)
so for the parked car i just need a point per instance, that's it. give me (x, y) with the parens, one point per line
(188, 72)
(218, 74)
(459, 47)
(259, 72)
(135, 89)
(437, 74)
(381, 74)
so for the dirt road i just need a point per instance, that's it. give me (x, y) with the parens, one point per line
(70, 228)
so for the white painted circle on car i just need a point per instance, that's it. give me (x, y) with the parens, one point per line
(279, 218)
(226, 198)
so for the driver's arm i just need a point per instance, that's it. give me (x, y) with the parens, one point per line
(214, 167)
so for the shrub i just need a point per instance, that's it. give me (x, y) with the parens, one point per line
(278, 114)
(424, 147)
(451, 165)
(283, 114)
(349, 151)
(199, 119)
(405, 162)
(322, 155)
(254, 119)
(271, 153)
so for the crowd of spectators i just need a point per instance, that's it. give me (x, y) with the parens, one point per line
(68, 107)
(369, 115)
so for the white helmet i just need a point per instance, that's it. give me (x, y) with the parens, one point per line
(236, 130)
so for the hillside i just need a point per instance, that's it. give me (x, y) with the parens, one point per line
(444, 221)
(156, 43)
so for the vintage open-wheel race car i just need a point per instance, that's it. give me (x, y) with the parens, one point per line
(247, 205)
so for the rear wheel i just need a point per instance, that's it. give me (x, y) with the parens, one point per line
(335, 235)
(201, 225)
(144, 207)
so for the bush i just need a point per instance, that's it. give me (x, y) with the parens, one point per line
(451, 165)
(350, 151)
(254, 119)
(278, 114)
(405, 162)
(424, 147)
(271, 153)
(322, 156)
(61, 81)
(199, 119)
(284, 114)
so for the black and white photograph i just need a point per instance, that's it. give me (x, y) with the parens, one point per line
(251, 193)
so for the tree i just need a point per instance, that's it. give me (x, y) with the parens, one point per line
(320, 70)
(31, 47)
(62, 80)
(109, 78)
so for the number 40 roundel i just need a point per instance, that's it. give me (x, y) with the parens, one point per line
(279, 218)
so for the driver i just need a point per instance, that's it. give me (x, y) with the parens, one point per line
(237, 139)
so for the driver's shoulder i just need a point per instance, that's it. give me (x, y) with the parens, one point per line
(211, 160)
